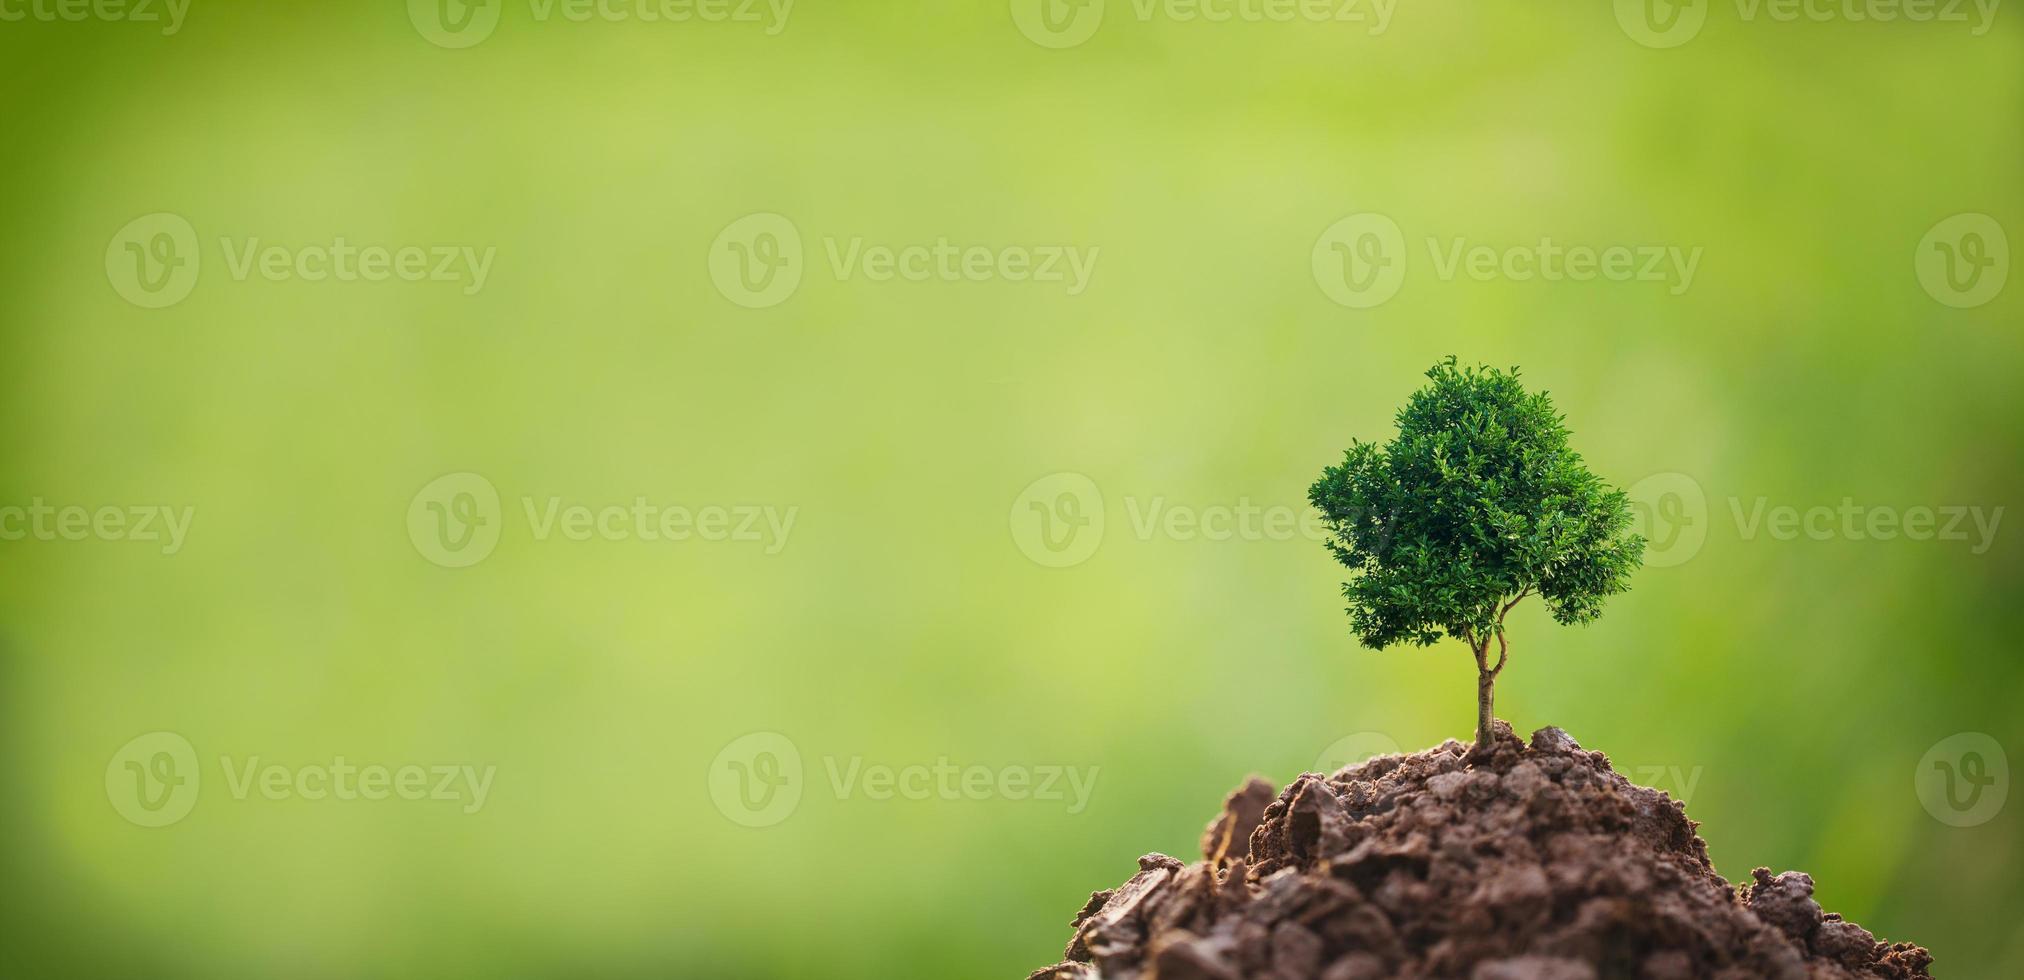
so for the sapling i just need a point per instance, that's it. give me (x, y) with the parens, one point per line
(1476, 504)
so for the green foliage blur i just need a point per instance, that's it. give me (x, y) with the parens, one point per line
(1039, 524)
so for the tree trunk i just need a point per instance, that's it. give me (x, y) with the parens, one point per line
(1486, 683)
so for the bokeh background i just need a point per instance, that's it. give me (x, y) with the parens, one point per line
(1789, 686)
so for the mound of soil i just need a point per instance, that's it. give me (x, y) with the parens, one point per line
(1529, 862)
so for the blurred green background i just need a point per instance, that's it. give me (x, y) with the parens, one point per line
(919, 611)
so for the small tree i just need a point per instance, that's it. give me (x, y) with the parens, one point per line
(1476, 504)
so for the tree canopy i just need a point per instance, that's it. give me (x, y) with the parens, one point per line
(1476, 503)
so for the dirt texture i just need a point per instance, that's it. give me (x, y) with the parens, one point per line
(1529, 862)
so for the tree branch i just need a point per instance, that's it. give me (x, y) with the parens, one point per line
(1503, 644)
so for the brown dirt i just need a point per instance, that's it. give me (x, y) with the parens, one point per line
(1533, 862)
